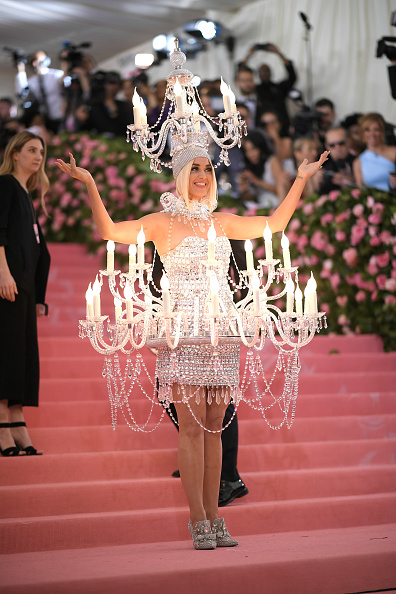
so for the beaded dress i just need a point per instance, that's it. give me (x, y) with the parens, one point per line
(195, 362)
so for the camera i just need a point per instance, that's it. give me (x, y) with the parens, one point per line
(388, 50)
(263, 46)
(18, 55)
(72, 54)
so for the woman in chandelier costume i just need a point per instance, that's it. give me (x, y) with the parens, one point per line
(198, 378)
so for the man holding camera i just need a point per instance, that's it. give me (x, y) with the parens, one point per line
(44, 90)
(271, 95)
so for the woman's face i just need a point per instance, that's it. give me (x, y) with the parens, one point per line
(252, 152)
(308, 151)
(372, 134)
(29, 158)
(200, 178)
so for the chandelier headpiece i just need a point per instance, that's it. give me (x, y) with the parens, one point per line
(187, 122)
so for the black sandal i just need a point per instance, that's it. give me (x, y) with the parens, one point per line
(29, 450)
(13, 450)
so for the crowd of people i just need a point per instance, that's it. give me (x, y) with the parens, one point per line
(77, 97)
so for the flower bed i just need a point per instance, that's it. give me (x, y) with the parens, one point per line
(346, 238)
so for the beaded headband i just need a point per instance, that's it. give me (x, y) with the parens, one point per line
(186, 147)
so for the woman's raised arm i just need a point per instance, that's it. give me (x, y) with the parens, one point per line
(237, 227)
(124, 232)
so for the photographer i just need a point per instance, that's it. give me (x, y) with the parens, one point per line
(44, 88)
(337, 172)
(78, 81)
(271, 95)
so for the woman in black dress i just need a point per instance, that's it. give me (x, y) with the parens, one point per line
(24, 267)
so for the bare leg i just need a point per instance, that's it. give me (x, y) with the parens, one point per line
(191, 453)
(6, 440)
(19, 433)
(213, 458)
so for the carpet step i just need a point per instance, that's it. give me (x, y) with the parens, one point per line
(328, 561)
(320, 383)
(97, 412)
(93, 438)
(47, 533)
(123, 495)
(139, 464)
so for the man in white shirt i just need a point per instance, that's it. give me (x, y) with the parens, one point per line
(45, 88)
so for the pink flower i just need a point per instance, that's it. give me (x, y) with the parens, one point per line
(390, 300)
(358, 210)
(381, 280)
(302, 242)
(343, 216)
(325, 307)
(355, 193)
(372, 268)
(56, 141)
(374, 218)
(343, 320)
(333, 195)
(130, 171)
(374, 296)
(370, 201)
(383, 259)
(147, 206)
(340, 236)
(308, 208)
(327, 264)
(294, 225)
(350, 256)
(326, 218)
(342, 300)
(357, 234)
(375, 241)
(360, 296)
(362, 223)
(335, 280)
(318, 241)
(390, 284)
(386, 237)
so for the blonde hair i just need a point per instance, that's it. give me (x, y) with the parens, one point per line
(371, 118)
(182, 187)
(17, 143)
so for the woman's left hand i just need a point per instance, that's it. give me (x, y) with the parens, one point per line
(306, 170)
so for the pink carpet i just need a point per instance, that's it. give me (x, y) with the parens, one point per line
(99, 512)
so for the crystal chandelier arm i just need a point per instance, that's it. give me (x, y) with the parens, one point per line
(136, 320)
(242, 333)
(218, 141)
(154, 152)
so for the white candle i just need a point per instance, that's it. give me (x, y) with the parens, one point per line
(165, 294)
(143, 112)
(307, 298)
(117, 308)
(132, 257)
(290, 296)
(129, 304)
(89, 300)
(263, 303)
(232, 100)
(179, 99)
(96, 297)
(195, 112)
(299, 297)
(136, 101)
(211, 244)
(313, 297)
(141, 238)
(256, 293)
(268, 243)
(214, 295)
(286, 252)
(225, 91)
(110, 256)
(249, 256)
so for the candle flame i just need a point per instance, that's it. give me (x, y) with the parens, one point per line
(231, 94)
(96, 286)
(141, 238)
(313, 282)
(143, 109)
(224, 87)
(110, 245)
(298, 294)
(89, 294)
(164, 282)
(267, 232)
(136, 100)
(177, 88)
(284, 241)
(212, 233)
(248, 246)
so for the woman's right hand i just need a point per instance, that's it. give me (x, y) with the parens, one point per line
(74, 171)
(8, 288)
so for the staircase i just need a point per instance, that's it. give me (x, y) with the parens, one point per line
(100, 512)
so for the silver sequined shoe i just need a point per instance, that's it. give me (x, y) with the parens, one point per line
(223, 538)
(202, 535)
